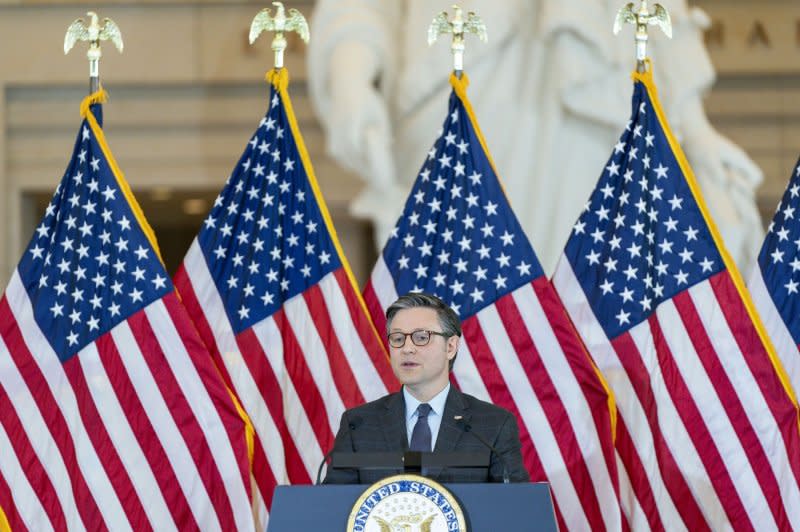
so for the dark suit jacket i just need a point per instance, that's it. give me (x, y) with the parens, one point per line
(380, 426)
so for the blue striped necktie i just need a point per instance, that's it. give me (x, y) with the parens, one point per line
(421, 437)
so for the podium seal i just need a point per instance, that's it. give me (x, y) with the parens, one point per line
(408, 503)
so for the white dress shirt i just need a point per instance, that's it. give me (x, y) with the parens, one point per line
(434, 417)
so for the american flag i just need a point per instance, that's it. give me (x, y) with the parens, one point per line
(707, 434)
(775, 282)
(112, 414)
(458, 238)
(269, 289)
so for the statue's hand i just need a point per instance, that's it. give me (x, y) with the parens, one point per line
(382, 205)
(361, 143)
(714, 157)
(360, 133)
(738, 162)
(728, 178)
(359, 125)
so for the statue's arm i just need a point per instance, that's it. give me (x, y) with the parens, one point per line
(352, 61)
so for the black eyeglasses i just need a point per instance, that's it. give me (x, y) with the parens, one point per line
(418, 338)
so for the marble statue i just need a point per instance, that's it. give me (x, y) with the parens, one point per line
(551, 91)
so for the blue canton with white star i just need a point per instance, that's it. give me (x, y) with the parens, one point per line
(265, 240)
(458, 237)
(641, 238)
(779, 258)
(89, 265)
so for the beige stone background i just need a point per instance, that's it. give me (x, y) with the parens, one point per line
(188, 92)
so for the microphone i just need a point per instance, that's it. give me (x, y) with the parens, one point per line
(466, 427)
(322, 464)
(353, 424)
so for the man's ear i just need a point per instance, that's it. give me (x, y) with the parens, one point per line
(452, 346)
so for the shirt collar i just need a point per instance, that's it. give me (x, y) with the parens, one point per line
(437, 402)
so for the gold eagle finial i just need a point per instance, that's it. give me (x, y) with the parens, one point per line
(458, 27)
(280, 23)
(93, 33)
(642, 18)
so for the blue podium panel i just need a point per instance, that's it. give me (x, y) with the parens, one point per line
(487, 507)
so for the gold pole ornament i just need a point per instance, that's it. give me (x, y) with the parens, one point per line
(280, 23)
(458, 27)
(93, 33)
(642, 18)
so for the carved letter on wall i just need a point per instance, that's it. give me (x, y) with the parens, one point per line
(715, 34)
(797, 33)
(758, 35)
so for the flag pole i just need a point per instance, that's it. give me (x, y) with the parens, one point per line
(280, 23)
(458, 27)
(641, 18)
(93, 33)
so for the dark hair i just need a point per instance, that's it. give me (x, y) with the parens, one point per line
(448, 319)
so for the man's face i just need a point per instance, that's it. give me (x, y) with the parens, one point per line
(423, 369)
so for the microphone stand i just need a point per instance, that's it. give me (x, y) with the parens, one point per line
(466, 427)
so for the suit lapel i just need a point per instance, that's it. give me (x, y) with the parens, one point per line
(393, 422)
(449, 431)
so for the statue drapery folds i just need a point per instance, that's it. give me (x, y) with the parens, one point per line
(551, 90)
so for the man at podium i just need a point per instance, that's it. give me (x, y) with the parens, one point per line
(429, 414)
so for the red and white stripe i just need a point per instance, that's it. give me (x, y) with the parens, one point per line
(294, 372)
(135, 432)
(707, 437)
(523, 354)
(785, 346)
